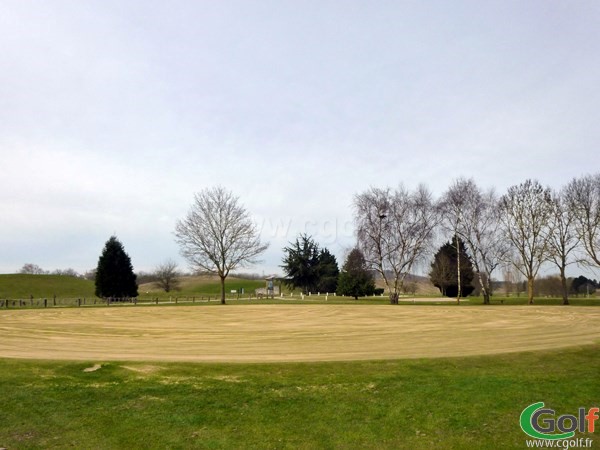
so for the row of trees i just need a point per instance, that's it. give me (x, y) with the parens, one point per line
(314, 269)
(550, 286)
(443, 275)
(527, 227)
(34, 269)
(309, 267)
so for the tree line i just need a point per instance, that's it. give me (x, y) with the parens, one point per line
(525, 228)
(315, 270)
(528, 226)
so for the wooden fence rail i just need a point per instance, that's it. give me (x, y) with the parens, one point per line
(58, 302)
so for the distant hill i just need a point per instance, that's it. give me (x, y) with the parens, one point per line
(204, 284)
(423, 284)
(22, 286)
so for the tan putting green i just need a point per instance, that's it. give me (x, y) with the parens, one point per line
(254, 333)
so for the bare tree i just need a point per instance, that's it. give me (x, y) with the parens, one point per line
(525, 214)
(512, 277)
(166, 275)
(583, 199)
(473, 215)
(508, 279)
(451, 208)
(66, 272)
(394, 229)
(218, 235)
(564, 239)
(32, 269)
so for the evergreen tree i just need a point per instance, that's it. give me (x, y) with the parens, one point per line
(301, 264)
(443, 273)
(328, 272)
(310, 268)
(583, 285)
(114, 275)
(355, 279)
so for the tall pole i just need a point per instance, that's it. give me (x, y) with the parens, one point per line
(458, 267)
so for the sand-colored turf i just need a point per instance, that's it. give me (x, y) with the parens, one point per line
(290, 332)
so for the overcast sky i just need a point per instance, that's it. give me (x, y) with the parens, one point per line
(114, 113)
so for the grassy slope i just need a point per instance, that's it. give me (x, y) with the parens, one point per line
(419, 404)
(191, 286)
(21, 286)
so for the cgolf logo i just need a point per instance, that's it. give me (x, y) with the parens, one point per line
(540, 423)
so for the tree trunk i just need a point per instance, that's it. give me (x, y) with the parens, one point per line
(563, 283)
(486, 297)
(530, 289)
(394, 293)
(484, 290)
(222, 290)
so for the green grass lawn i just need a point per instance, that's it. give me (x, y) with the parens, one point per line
(22, 286)
(454, 403)
(200, 287)
(69, 289)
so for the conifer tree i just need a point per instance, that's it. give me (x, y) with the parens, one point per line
(443, 273)
(114, 275)
(328, 272)
(309, 267)
(355, 279)
(301, 264)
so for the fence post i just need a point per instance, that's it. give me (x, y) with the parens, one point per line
(79, 301)
(45, 303)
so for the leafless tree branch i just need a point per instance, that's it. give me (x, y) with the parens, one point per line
(218, 234)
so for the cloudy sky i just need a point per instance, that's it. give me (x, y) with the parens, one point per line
(114, 113)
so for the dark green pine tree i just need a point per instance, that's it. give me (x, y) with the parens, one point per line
(355, 279)
(328, 272)
(301, 264)
(114, 275)
(443, 273)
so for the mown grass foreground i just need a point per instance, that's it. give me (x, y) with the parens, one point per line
(451, 403)
(278, 332)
